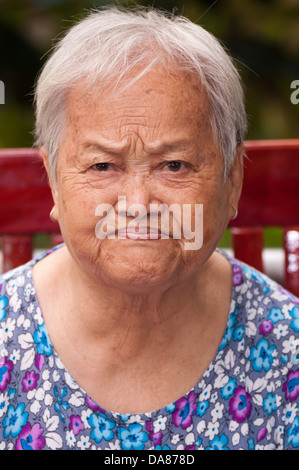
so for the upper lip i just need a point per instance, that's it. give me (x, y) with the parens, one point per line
(140, 230)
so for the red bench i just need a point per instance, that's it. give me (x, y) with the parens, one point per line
(270, 198)
(25, 203)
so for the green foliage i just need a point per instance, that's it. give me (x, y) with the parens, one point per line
(262, 36)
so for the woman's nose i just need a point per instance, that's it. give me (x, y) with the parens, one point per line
(136, 189)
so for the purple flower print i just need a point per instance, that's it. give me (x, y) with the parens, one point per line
(5, 369)
(291, 386)
(76, 424)
(240, 405)
(185, 408)
(39, 361)
(30, 380)
(155, 437)
(237, 275)
(93, 406)
(266, 327)
(30, 438)
(261, 434)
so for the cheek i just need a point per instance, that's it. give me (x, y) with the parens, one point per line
(77, 207)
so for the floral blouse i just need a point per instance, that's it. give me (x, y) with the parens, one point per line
(246, 399)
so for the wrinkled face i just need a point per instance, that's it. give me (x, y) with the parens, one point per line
(150, 145)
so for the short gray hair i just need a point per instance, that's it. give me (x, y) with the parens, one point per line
(111, 42)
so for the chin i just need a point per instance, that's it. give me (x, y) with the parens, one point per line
(138, 265)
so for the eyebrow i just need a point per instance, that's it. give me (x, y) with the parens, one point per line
(105, 148)
(168, 147)
(121, 149)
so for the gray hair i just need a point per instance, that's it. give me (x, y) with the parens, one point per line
(110, 43)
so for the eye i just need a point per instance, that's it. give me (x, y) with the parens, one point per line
(102, 166)
(175, 166)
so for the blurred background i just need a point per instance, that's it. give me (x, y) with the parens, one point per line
(261, 35)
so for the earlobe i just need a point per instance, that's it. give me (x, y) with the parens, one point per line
(235, 214)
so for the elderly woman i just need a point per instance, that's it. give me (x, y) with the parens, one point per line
(137, 333)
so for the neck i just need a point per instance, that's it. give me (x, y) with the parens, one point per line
(123, 312)
(129, 321)
(129, 324)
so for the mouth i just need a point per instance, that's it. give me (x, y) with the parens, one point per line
(143, 233)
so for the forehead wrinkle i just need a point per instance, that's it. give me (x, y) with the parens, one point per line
(142, 121)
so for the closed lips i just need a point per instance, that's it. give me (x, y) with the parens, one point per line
(143, 233)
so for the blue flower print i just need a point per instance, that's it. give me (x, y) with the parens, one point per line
(293, 433)
(102, 427)
(238, 333)
(15, 420)
(132, 438)
(270, 403)
(3, 305)
(162, 448)
(295, 314)
(170, 408)
(275, 315)
(262, 356)
(42, 340)
(124, 418)
(218, 443)
(202, 407)
(228, 390)
(257, 277)
(251, 445)
(61, 405)
(229, 330)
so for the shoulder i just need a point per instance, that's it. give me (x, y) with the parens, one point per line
(17, 303)
(251, 285)
(267, 309)
(270, 317)
(12, 285)
(18, 284)
(264, 325)
(261, 351)
(264, 299)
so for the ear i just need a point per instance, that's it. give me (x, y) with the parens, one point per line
(235, 180)
(51, 183)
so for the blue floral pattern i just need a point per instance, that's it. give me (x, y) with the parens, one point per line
(246, 399)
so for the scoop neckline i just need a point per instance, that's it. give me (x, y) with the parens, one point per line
(96, 407)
